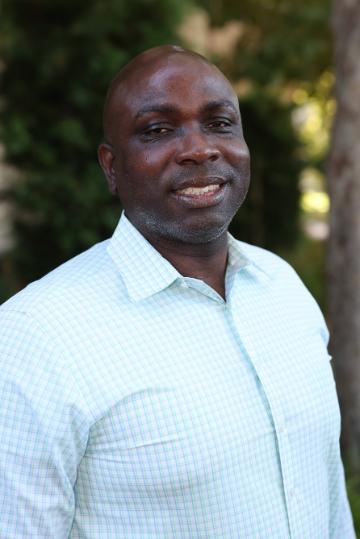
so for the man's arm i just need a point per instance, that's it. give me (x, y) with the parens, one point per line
(43, 433)
(342, 526)
(341, 522)
(346, 526)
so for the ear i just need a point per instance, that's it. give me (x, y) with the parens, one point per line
(106, 159)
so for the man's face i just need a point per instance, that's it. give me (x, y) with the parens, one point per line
(178, 158)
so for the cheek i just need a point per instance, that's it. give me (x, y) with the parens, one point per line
(240, 161)
(136, 180)
(235, 153)
(240, 155)
(140, 164)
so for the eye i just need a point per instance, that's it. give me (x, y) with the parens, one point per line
(156, 131)
(220, 124)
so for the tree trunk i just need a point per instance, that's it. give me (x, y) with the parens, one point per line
(343, 260)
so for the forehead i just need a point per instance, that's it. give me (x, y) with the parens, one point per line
(182, 81)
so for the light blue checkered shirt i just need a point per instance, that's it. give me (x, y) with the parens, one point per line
(136, 403)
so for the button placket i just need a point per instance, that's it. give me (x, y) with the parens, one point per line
(277, 417)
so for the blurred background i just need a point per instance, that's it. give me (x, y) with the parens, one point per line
(294, 67)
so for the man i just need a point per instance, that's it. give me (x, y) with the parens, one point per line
(171, 382)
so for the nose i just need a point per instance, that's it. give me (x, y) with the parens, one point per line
(196, 148)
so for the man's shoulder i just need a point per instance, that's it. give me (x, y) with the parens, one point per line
(268, 262)
(73, 281)
(287, 287)
(279, 272)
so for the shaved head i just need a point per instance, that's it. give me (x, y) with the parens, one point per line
(134, 70)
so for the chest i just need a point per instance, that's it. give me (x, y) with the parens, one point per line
(186, 398)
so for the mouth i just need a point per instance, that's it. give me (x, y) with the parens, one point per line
(207, 190)
(201, 196)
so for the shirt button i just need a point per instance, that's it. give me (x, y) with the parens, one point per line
(183, 284)
(282, 429)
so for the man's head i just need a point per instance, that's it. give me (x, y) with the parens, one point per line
(174, 149)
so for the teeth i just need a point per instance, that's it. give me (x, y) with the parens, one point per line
(199, 190)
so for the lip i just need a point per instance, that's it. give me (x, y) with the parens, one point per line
(201, 200)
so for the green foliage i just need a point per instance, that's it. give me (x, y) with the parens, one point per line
(283, 40)
(59, 58)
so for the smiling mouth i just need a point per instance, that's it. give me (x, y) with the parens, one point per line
(205, 196)
(199, 191)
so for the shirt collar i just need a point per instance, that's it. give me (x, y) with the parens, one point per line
(236, 258)
(142, 267)
(144, 270)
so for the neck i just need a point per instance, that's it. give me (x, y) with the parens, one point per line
(205, 261)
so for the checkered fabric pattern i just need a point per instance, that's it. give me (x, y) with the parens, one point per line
(137, 403)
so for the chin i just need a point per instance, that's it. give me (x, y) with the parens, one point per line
(190, 231)
(196, 233)
(202, 235)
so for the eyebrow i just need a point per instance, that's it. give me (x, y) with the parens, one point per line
(167, 109)
(170, 109)
(213, 105)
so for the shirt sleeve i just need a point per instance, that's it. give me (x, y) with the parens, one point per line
(43, 433)
(341, 522)
(343, 526)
